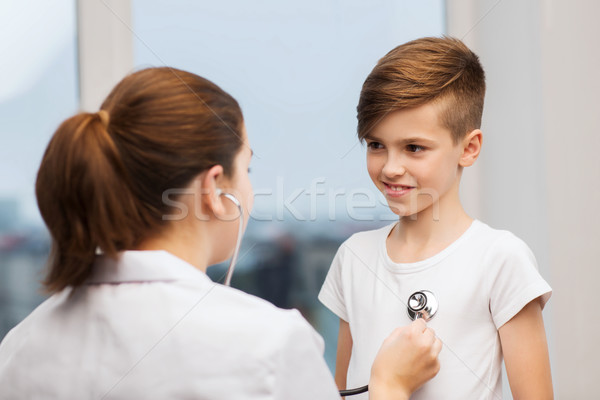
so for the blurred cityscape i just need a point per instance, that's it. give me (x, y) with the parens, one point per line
(23, 253)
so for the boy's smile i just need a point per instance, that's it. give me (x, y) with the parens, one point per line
(413, 160)
(392, 190)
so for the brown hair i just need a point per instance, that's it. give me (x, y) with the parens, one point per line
(443, 70)
(102, 177)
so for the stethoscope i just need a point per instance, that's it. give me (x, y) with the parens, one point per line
(239, 236)
(421, 304)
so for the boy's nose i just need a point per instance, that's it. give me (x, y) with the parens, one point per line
(393, 167)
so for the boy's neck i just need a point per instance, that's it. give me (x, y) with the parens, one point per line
(425, 234)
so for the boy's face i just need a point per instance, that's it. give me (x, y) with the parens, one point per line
(413, 160)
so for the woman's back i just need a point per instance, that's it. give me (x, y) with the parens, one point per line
(150, 324)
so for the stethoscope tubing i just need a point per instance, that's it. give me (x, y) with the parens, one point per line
(238, 240)
(352, 392)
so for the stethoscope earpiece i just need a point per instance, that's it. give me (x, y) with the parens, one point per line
(422, 304)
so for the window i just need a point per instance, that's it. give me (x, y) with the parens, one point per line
(38, 89)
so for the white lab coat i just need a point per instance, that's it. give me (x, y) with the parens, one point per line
(151, 326)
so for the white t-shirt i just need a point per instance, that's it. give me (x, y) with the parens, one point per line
(481, 281)
(151, 326)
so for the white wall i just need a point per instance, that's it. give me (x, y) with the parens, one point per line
(538, 175)
(571, 66)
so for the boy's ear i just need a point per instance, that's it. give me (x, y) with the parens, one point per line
(471, 147)
(210, 200)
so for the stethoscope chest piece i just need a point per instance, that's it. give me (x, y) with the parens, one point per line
(422, 304)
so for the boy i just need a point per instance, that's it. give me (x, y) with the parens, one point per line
(419, 113)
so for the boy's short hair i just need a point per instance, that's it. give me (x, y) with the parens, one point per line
(441, 70)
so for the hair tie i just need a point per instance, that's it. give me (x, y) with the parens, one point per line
(104, 117)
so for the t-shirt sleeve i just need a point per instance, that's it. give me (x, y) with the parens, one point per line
(332, 291)
(301, 371)
(514, 279)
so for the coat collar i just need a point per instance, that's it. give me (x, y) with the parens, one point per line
(143, 266)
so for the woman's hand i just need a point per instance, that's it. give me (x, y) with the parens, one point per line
(406, 360)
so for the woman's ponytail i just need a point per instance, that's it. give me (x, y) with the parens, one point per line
(83, 195)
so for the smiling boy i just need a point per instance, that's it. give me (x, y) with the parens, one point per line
(420, 114)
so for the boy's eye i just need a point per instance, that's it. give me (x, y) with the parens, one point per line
(414, 148)
(374, 145)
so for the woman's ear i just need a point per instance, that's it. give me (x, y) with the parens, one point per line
(471, 148)
(209, 199)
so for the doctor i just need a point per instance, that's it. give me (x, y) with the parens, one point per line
(133, 198)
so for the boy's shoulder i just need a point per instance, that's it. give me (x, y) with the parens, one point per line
(497, 242)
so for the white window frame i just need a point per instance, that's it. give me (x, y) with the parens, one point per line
(105, 46)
